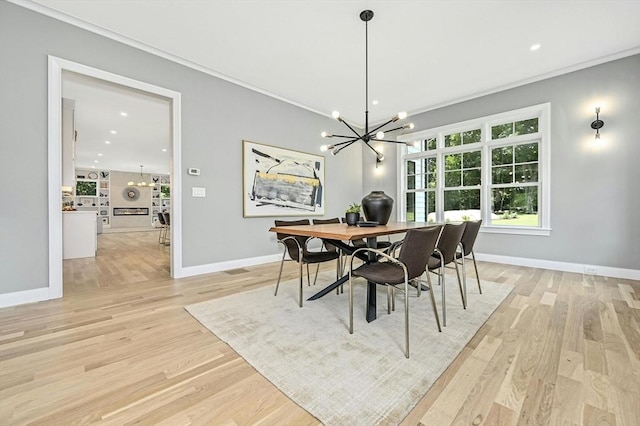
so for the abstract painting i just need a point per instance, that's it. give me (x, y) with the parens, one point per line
(281, 182)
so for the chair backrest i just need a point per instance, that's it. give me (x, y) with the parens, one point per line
(167, 218)
(325, 221)
(292, 248)
(469, 235)
(161, 218)
(416, 248)
(449, 240)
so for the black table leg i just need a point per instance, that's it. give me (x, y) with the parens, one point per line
(371, 286)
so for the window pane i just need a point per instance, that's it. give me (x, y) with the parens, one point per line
(431, 144)
(501, 131)
(461, 205)
(471, 159)
(432, 172)
(502, 174)
(502, 155)
(453, 162)
(471, 136)
(452, 178)
(452, 140)
(526, 152)
(527, 173)
(421, 207)
(515, 206)
(525, 127)
(471, 177)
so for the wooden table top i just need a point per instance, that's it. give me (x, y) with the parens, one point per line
(341, 231)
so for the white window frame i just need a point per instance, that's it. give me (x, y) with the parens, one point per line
(541, 111)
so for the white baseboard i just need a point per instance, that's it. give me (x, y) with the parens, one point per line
(22, 297)
(190, 271)
(605, 271)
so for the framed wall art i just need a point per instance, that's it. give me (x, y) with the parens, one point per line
(281, 182)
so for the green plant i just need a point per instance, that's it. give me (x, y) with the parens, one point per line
(353, 208)
(466, 218)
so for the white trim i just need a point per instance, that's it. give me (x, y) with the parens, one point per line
(515, 230)
(44, 10)
(229, 264)
(56, 66)
(25, 296)
(605, 271)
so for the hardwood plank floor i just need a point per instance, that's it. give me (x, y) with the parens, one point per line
(119, 349)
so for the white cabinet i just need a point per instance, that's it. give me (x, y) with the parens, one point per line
(79, 234)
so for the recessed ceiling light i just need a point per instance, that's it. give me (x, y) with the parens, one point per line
(93, 167)
(164, 149)
(124, 114)
(99, 154)
(113, 132)
(375, 102)
(95, 161)
(535, 47)
(107, 142)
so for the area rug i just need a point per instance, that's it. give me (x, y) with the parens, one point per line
(341, 378)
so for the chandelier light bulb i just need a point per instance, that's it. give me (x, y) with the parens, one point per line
(380, 135)
(336, 115)
(324, 148)
(408, 126)
(130, 183)
(323, 134)
(334, 151)
(402, 115)
(380, 157)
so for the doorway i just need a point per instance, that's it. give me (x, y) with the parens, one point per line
(57, 67)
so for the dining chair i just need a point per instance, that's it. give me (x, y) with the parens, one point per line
(167, 228)
(398, 273)
(296, 247)
(467, 242)
(444, 254)
(163, 228)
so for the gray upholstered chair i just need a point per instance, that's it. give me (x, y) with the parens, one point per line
(296, 246)
(398, 273)
(444, 254)
(163, 228)
(468, 240)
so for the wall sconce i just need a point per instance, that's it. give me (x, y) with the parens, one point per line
(597, 124)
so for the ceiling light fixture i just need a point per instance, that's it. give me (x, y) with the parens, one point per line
(535, 47)
(124, 114)
(376, 134)
(142, 182)
(107, 142)
(113, 132)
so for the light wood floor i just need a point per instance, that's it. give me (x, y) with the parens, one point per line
(119, 348)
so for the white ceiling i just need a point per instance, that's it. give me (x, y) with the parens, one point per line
(422, 54)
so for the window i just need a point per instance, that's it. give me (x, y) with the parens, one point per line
(493, 168)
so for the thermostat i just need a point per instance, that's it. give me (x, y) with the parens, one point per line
(193, 171)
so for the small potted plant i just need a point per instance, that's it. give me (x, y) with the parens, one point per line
(353, 214)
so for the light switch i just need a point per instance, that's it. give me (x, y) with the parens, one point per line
(198, 192)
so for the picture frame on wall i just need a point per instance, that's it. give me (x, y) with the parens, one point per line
(281, 182)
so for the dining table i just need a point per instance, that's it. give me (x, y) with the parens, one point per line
(340, 234)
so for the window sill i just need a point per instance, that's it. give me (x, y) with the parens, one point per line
(545, 232)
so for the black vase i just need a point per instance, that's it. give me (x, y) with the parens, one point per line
(352, 218)
(377, 207)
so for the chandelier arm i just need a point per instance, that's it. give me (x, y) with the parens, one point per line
(381, 126)
(394, 129)
(388, 140)
(346, 142)
(372, 148)
(339, 136)
(352, 129)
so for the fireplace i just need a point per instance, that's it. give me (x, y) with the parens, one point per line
(131, 211)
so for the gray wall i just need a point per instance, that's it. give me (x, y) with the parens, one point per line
(595, 194)
(216, 117)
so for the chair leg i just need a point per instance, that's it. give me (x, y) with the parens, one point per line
(433, 301)
(388, 299)
(315, 278)
(473, 256)
(406, 317)
(350, 304)
(280, 273)
(444, 296)
(300, 297)
(308, 279)
(464, 302)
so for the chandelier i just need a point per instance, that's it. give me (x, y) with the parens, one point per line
(369, 135)
(142, 182)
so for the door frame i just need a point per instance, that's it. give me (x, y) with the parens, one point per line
(56, 66)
